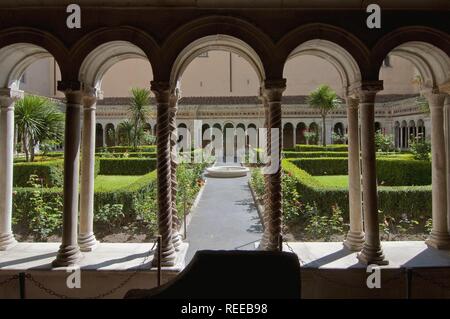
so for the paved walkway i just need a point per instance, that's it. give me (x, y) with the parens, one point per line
(225, 217)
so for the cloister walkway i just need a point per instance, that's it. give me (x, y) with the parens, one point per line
(225, 217)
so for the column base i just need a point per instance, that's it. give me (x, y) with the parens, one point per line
(168, 258)
(354, 241)
(7, 241)
(439, 240)
(87, 242)
(67, 256)
(177, 240)
(372, 255)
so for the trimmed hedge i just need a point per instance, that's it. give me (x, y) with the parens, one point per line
(295, 154)
(129, 155)
(321, 148)
(312, 192)
(128, 196)
(403, 172)
(126, 166)
(323, 166)
(128, 149)
(394, 201)
(390, 171)
(51, 173)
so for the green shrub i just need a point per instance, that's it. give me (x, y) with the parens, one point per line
(390, 171)
(127, 149)
(420, 148)
(296, 154)
(38, 210)
(321, 148)
(401, 172)
(324, 165)
(412, 201)
(51, 173)
(127, 197)
(126, 166)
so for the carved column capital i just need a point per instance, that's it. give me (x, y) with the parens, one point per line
(161, 90)
(435, 100)
(273, 89)
(9, 96)
(352, 103)
(368, 90)
(90, 96)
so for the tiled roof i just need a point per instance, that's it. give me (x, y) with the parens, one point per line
(243, 100)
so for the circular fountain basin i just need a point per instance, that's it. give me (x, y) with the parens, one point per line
(227, 171)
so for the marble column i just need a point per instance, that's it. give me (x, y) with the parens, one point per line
(173, 109)
(355, 237)
(273, 91)
(86, 237)
(371, 252)
(165, 224)
(69, 251)
(439, 237)
(7, 99)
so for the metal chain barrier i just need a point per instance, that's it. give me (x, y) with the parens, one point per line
(8, 280)
(99, 296)
(430, 280)
(302, 262)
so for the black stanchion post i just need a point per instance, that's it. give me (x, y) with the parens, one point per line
(22, 285)
(408, 282)
(159, 260)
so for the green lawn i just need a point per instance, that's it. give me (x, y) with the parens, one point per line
(113, 182)
(333, 180)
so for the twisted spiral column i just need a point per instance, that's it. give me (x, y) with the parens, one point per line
(273, 91)
(176, 237)
(69, 252)
(265, 236)
(371, 252)
(165, 224)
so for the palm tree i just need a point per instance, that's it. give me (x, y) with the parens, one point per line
(38, 120)
(325, 99)
(126, 130)
(139, 111)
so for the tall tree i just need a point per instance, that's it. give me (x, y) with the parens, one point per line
(324, 99)
(126, 132)
(38, 120)
(139, 112)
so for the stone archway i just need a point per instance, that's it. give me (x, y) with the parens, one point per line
(288, 136)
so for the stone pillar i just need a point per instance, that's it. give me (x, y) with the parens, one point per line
(439, 237)
(7, 99)
(173, 108)
(273, 91)
(265, 236)
(69, 252)
(355, 236)
(86, 237)
(371, 252)
(165, 224)
(447, 135)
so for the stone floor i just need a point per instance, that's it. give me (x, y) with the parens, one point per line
(400, 254)
(108, 272)
(107, 256)
(225, 217)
